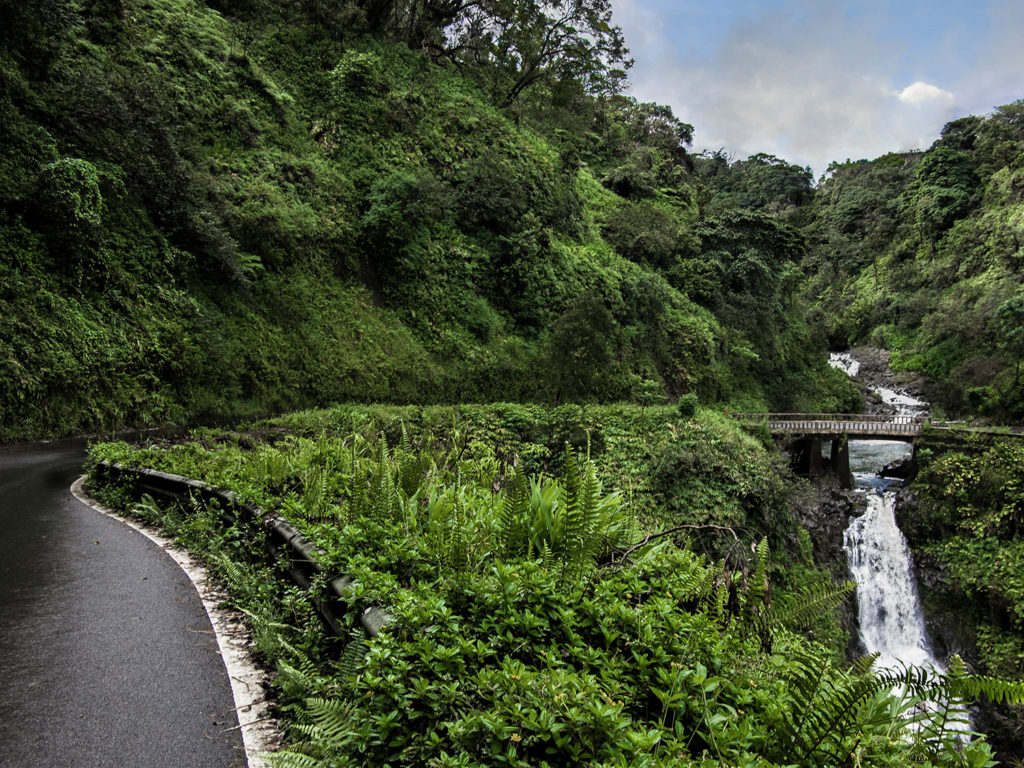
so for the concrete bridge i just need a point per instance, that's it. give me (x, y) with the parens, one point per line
(807, 432)
(827, 426)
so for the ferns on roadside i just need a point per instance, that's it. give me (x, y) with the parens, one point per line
(565, 523)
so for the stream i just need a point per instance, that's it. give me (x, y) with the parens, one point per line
(889, 612)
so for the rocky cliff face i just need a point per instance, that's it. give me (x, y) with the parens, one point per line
(825, 511)
(874, 374)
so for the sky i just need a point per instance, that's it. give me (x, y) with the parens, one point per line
(816, 81)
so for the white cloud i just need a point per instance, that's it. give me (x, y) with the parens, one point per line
(801, 82)
(919, 92)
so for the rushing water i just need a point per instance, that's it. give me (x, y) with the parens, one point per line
(845, 362)
(889, 611)
(891, 622)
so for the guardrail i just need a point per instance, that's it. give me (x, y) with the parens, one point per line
(838, 418)
(281, 539)
(901, 423)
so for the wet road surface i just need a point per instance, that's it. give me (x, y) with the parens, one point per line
(107, 657)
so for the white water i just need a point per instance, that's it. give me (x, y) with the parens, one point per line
(845, 362)
(902, 402)
(891, 622)
(889, 611)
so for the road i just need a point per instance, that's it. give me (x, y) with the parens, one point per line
(107, 658)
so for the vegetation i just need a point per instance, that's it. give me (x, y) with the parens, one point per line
(226, 209)
(537, 621)
(968, 526)
(920, 253)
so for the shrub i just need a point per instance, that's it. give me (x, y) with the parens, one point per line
(687, 405)
(70, 206)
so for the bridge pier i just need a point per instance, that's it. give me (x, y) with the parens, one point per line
(839, 458)
(806, 459)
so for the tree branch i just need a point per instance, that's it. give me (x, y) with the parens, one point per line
(651, 537)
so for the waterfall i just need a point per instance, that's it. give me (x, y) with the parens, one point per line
(889, 611)
(844, 361)
(891, 623)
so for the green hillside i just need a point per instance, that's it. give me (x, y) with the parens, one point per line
(227, 209)
(922, 253)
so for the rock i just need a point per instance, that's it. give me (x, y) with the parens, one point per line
(899, 469)
(825, 512)
(874, 373)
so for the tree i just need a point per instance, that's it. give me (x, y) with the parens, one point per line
(418, 23)
(1000, 137)
(652, 125)
(533, 41)
(771, 179)
(947, 187)
(644, 233)
(961, 133)
(33, 33)
(761, 182)
(70, 205)
(581, 349)
(1010, 317)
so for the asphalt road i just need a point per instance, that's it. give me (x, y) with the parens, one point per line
(107, 657)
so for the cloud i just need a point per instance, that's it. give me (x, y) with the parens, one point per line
(804, 80)
(919, 92)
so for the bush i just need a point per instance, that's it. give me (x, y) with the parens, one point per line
(687, 405)
(645, 234)
(70, 206)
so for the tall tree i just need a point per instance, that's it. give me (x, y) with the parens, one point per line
(533, 41)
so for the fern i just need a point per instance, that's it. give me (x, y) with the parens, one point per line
(458, 550)
(330, 718)
(757, 587)
(812, 601)
(571, 502)
(147, 509)
(330, 724)
(592, 514)
(513, 516)
(996, 689)
(829, 706)
(289, 759)
(350, 664)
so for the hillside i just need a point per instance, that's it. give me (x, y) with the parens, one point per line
(921, 253)
(219, 210)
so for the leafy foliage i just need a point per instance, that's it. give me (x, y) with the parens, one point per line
(969, 526)
(526, 631)
(916, 252)
(224, 209)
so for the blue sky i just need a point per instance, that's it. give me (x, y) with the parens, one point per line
(828, 80)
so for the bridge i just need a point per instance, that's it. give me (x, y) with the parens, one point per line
(807, 432)
(831, 426)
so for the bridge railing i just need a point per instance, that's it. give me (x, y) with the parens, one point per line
(864, 424)
(834, 418)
